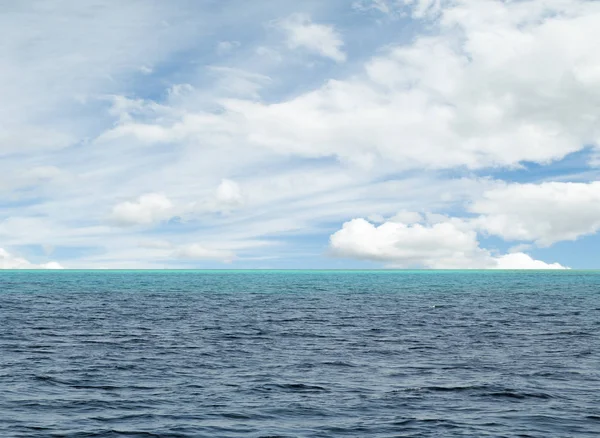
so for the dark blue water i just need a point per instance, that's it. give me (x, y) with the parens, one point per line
(307, 354)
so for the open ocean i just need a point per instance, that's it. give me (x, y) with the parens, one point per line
(299, 354)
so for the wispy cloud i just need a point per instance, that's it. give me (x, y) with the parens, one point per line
(302, 33)
(194, 136)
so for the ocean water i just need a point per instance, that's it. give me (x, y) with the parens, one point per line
(299, 354)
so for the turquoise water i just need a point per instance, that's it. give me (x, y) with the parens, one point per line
(299, 353)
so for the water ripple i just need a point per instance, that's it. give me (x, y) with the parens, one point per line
(292, 354)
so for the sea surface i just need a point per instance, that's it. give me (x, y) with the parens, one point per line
(299, 354)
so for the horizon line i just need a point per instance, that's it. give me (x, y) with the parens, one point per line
(299, 269)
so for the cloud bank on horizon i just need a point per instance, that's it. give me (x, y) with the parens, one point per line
(374, 133)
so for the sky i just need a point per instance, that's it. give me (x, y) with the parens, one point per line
(267, 134)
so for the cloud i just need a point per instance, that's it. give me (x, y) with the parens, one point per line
(52, 73)
(250, 149)
(236, 82)
(9, 261)
(542, 213)
(36, 177)
(319, 39)
(443, 245)
(436, 246)
(155, 244)
(379, 5)
(226, 47)
(268, 54)
(144, 69)
(520, 260)
(147, 210)
(229, 194)
(226, 198)
(418, 9)
(43, 173)
(199, 252)
(490, 86)
(493, 88)
(407, 217)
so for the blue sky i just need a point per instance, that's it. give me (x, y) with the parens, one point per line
(281, 134)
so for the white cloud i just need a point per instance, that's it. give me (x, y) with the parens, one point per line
(520, 260)
(486, 83)
(148, 209)
(542, 213)
(50, 232)
(226, 198)
(320, 39)
(236, 82)
(199, 252)
(9, 261)
(486, 91)
(426, 8)
(415, 8)
(155, 244)
(379, 5)
(443, 245)
(38, 177)
(146, 70)
(43, 173)
(229, 194)
(407, 217)
(226, 47)
(440, 245)
(492, 87)
(268, 53)
(50, 72)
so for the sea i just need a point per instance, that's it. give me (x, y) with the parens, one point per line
(300, 354)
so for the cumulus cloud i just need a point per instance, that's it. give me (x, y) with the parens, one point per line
(319, 39)
(491, 86)
(10, 261)
(229, 194)
(494, 88)
(439, 245)
(542, 213)
(225, 198)
(483, 84)
(519, 260)
(148, 209)
(153, 208)
(443, 245)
